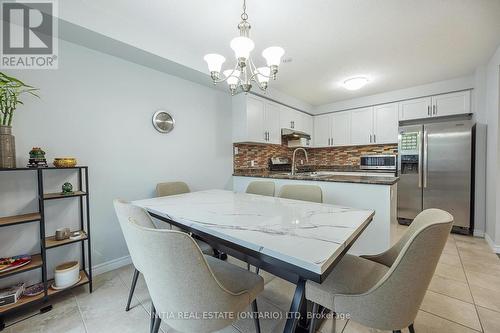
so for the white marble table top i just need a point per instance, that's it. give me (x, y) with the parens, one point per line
(306, 234)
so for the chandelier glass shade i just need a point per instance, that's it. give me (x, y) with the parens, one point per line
(245, 73)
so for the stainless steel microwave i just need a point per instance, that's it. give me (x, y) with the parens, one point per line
(378, 162)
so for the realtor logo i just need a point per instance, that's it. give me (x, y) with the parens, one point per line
(29, 35)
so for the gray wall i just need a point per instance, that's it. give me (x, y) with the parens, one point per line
(98, 109)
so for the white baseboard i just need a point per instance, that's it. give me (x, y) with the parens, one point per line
(478, 233)
(494, 247)
(111, 265)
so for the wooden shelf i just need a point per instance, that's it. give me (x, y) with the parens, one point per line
(46, 168)
(84, 280)
(58, 195)
(18, 219)
(24, 300)
(51, 241)
(36, 262)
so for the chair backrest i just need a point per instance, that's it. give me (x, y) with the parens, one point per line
(124, 211)
(261, 188)
(171, 188)
(179, 278)
(393, 302)
(311, 193)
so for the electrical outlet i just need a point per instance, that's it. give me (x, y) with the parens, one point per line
(252, 163)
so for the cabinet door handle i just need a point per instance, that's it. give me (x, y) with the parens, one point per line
(434, 109)
(370, 138)
(268, 136)
(374, 138)
(429, 110)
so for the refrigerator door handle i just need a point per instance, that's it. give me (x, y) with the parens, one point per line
(425, 153)
(420, 168)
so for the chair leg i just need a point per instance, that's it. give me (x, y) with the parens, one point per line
(153, 317)
(132, 288)
(312, 324)
(411, 328)
(255, 311)
(156, 326)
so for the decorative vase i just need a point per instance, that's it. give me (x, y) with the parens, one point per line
(7, 147)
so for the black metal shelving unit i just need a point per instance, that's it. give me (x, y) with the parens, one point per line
(39, 260)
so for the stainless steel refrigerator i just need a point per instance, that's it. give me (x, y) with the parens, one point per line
(436, 170)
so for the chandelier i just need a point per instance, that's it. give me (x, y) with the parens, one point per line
(245, 72)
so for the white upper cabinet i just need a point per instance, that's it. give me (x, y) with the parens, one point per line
(293, 119)
(435, 106)
(272, 122)
(450, 104)
(341, 128)
(288, 117)
(322, 130)
(385, 123)
(256, 120)
(415, 108)
(362, 126)
(307, 123)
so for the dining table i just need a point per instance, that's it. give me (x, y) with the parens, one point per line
(291, 239)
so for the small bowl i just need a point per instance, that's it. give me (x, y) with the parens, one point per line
(65, 162)
(66, 274)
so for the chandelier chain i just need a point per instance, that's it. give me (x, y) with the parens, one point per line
(244, 15)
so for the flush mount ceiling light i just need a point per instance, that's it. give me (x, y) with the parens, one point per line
(245, 72)
(355, 83)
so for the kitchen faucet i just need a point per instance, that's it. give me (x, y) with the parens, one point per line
(294, 169)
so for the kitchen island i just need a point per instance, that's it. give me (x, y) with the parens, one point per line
(378, 193)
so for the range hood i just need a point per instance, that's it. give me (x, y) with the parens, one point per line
(291, 134)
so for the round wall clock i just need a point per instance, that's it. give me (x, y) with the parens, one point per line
(163, 121)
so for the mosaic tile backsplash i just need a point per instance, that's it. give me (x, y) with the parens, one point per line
(318, 157)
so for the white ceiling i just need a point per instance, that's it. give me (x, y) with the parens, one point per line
(398, 43)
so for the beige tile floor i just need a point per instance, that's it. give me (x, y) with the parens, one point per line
(464, 296)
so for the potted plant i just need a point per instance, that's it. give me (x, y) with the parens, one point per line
(11, 89)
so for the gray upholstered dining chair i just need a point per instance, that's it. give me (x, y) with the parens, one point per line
(311, 193)
(181, 280)
(174, 188)
(171, 188)
(261, 187)
(385, 291)
(165, 189)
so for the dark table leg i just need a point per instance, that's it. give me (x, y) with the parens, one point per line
(299, 306)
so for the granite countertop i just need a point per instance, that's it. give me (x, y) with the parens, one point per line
(377, 180)
(269, 225)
